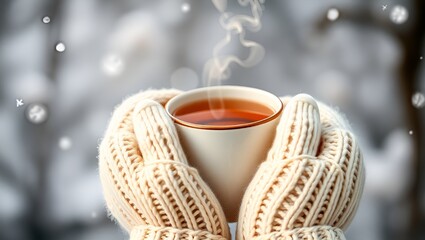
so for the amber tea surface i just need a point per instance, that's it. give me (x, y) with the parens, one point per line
(222, 112)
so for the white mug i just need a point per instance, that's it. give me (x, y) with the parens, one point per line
(227, 157)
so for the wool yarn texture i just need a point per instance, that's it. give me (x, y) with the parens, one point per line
(147, 183)
(310, 185)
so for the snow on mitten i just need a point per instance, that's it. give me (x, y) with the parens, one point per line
(148, 185)
(310, 185)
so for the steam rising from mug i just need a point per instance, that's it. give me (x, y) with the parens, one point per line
(217, 68)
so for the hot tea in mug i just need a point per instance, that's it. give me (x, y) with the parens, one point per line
(226, 132)
(222, 112)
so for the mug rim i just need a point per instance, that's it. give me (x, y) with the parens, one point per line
(276, 113)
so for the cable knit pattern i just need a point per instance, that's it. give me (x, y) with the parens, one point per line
(147, 183)
(306, 233)
(149, 232)
(310, 185)
(308, 188)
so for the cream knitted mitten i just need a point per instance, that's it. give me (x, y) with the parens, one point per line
(311, 183)
(147, 183)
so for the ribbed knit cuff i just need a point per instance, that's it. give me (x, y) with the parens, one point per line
(151, 232)
(306, 233)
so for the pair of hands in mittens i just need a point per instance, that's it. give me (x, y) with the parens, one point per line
(309, 186)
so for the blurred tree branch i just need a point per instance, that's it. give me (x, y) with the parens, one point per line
(37, 226)
(10, 176)
(410, 40)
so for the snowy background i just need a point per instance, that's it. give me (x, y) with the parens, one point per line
(65, 64)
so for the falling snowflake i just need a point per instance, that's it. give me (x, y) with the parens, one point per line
(399, 14)
(93, 214)
(19, 102)
(418, 100)
(65, 143)
(333, 14)
(384, 7)
(112, 65)
(60, 47)
(36, 113)
(46, 19)
(410, 132)
(421, 57)
(185, 7)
